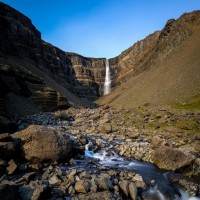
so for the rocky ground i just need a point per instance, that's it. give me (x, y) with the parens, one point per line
(45, 158)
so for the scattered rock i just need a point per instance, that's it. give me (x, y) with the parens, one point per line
(40, 190)
(54, 181)
(105, 195)
(12, 166)
(29, 176)
(156, 142)
(124, 185)
(105, 183)
(106, 128)
(82, 139)
(93, 186)
(133, 191)
(190, 186)
(82, 186)
(139, 181)
(71, 190)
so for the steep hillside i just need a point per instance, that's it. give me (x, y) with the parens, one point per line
(168, 72)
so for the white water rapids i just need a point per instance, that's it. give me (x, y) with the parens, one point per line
(146, 170)
(107, 83)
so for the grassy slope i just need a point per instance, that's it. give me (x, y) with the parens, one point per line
(173, 81)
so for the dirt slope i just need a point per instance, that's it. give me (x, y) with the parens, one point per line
(176, 78)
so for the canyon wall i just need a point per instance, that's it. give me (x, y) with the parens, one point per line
(82, 76)
(60, 78)
(146, 53)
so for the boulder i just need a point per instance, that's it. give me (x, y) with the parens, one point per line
(82, 186)
(40, 143)
(71, 176)
(139, 181)
(54, 181)
(124, 186)
(71, 190)
(169, 158)
(197, 147)
(12, 166)
(105, 119)
(93, 186)
(133, 190)
(132, 135)
(82, 139)
(156, 141)
(105, 183)
(40, 189)
(106, 128)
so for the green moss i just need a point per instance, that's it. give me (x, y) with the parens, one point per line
(187, 126)
(192, 104)
(149, 126)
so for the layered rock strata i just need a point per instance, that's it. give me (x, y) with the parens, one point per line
(145, 53)
(19, 38)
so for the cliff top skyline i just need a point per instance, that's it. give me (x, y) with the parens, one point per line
(103, 28)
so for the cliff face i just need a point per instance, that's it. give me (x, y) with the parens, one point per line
(61, 76)
(146, 53)
(132, 58)
(88, 75)
(83, 76)
(22, 93)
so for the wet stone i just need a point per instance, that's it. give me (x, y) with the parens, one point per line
(133, 191)
(105, 183)
(54, 181)
(124, 186)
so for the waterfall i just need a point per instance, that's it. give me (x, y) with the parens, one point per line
(107, 82)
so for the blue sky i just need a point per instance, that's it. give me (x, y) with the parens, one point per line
(100, 28)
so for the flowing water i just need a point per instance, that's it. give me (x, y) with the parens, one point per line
(107, 83)
(162, 189)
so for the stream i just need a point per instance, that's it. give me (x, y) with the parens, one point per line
(161, 188)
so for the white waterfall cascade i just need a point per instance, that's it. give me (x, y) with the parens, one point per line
(107, 83)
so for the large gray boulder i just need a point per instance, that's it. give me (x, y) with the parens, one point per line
(40, 143)
(169, 158)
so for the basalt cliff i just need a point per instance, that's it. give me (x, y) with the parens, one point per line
(36, 76)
